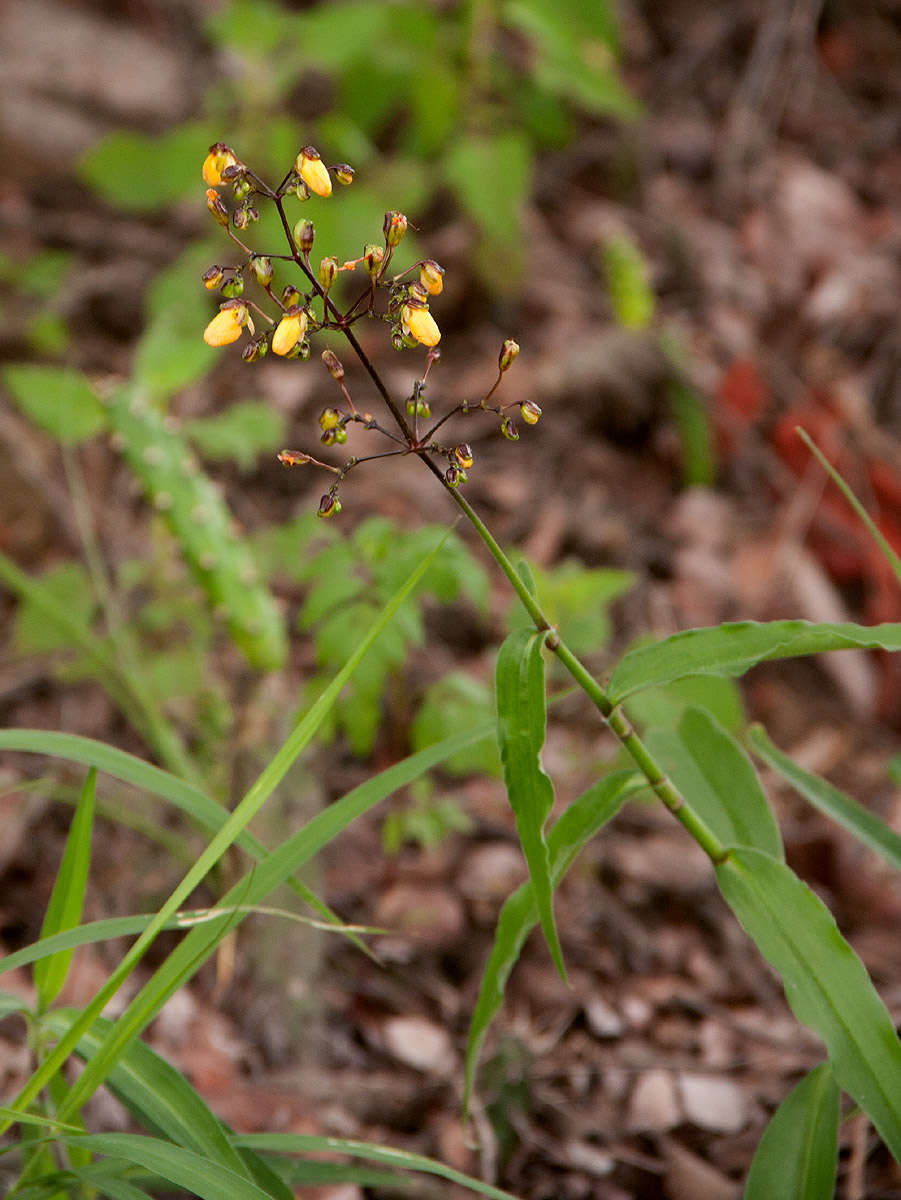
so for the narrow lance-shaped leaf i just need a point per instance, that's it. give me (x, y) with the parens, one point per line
(825, 982)
(732, 649)
(708, 765)
(521, 720)
(859, 821)
(67, 898)
(519, 915)
(797, 1156)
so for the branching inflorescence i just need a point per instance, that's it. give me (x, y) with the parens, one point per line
(302, 314)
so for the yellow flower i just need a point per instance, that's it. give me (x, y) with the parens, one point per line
(220, 156)
(313, 172)
(289, 331)
(431, 276)
(227, 324)
(421, 325)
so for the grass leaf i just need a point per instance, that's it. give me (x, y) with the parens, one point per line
(825, 982)
(521, 720)
(797, 1156)
(732, 649)
(67, 897)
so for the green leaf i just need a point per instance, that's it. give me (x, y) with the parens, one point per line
(142, 173)
(626, 271)
(797, 1156)
(492, 175)
(306, 1143)
(732, 649)
(859, 821)
(188, 956)
(66, 586)
(10, 1004)
(241, 434)
(453, 704)
(695, 433)
(61, 400)
(44, 273)
(519, 915)
(67, 897)
(187, 1169)
(709, 767)
(521, 719)
(825, 982)
(155, 1093)
(171, 352)
(721, 697)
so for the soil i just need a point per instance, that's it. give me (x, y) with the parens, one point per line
(762, 186)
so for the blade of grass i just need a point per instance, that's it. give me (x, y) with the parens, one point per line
(67, 897)
(797, 1155)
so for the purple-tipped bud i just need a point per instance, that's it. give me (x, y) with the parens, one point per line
(344, 173)
(328, 272)
(329, 505)
(212, 277)
(509, 430)
(373, 257)
(261, 266)
(394, 228)
(530, 412)
(452, 477)
(463, 455)
(304, 235)
(333, 366)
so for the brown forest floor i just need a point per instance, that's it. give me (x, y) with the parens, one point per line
(763, 186)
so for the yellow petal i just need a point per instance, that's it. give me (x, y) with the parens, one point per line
(314, 174)
(422, 325)
(225, 327)
(219, 157)
(288, 333)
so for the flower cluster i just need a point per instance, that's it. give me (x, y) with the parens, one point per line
(298, 314)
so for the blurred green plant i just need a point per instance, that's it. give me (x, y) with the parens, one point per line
(457, 98)
(34, 287)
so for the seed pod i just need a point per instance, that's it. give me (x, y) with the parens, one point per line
(200, 521)
(509, 351)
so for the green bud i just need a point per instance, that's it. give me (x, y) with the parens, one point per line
(509, 351)
(452, 477)
(304, 235)
(261, 266)
(394, 228)
(335, 369)
(509, 430)
(328, 271)
(234, 287)
(329, 418)
(344, 173)
(373, 257)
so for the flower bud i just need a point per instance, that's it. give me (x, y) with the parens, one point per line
(242, 187)
(289, 331)
(329, 505)
(431, 276)
(216, 206)
(373, 257)
(328, 271)
(509, 351)
(304, 235)
(312, 170)
(418, 293)
(509, 430)
(463, 455)
(212, 277)
(420, 324)
(261, 265)
(290, 296)
(235, 286)
(254, 350)
(293, 458)
(334, 368)
(226, 326)
(245, 214)
(219, 157)
(452, 477)
(329, 418)
(394, 228)
(344, 173)
(530, 412)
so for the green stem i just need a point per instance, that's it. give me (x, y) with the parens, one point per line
(662, 786)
